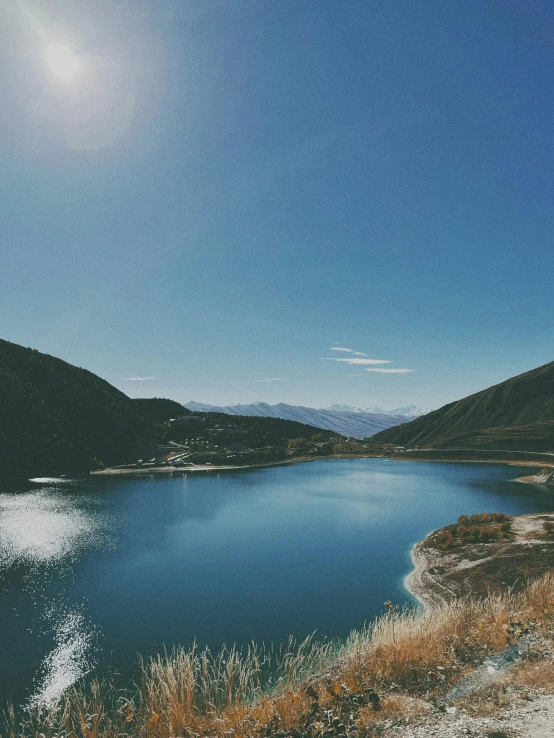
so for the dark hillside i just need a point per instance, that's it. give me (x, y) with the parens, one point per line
(244, 431)
(515, 414)
(55, 416)
(158, 410)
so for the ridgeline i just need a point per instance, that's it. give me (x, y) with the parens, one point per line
(515, 415)
(55, 416)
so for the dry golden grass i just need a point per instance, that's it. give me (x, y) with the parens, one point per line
(394, 708)
(311, 688)
(529, 675)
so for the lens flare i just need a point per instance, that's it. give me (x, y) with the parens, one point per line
(62, 61)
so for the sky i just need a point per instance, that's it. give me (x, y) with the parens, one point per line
(205, 200)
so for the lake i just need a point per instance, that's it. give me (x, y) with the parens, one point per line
(94, 570)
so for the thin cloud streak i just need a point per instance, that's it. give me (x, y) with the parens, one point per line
(138, 379)
(390, 371)
(348, 350)
(274, 379)
(357, 361)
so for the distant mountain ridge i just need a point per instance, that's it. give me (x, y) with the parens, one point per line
(357, 423)
(411, 411)
(517, 414)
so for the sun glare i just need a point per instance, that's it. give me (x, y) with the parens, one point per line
(62, 61)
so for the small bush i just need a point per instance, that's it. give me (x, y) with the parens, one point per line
(445, 540)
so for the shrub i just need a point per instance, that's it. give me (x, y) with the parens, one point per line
(445, 540)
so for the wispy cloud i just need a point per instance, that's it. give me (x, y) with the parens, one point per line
(274, 379)
(138, 379)
(348, 350)
(390, 371)
(357, 361)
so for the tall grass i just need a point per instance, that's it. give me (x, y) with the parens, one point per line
(250, 692)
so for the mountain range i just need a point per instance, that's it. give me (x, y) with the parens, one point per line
(353, 422)
(410, 412)
(517, 414)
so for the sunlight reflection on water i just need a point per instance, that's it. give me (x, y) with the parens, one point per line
(44, 527)
(45, 531)
(73, 656)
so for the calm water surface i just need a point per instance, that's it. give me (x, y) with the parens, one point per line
(93, 571)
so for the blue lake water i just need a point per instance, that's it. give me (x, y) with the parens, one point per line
(94, 570)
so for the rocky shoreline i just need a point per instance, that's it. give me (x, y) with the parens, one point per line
(419, 583)
(543, 476)
(445, 569)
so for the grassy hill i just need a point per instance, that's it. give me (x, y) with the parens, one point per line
(517, 414)
(55, 416)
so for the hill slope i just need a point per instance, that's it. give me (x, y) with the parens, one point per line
(516, 414)
(55, 416)
(355, 423)
(158, 410)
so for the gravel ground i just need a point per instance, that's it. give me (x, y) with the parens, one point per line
(533, 719)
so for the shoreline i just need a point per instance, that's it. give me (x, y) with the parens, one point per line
(441, 575)
(161, 470)
(412, 581)
(419, 582)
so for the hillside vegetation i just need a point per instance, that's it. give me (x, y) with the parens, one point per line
(55, 416)
(158, 410)
(517, 414)
(220, 439)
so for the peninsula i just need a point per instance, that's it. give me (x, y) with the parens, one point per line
(482, 554)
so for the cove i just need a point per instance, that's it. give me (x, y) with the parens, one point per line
(96, 570)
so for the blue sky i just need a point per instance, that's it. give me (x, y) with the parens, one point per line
(227, 190)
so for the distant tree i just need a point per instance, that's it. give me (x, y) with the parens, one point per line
(297, 444)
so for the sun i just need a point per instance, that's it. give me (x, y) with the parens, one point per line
(62, 61)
